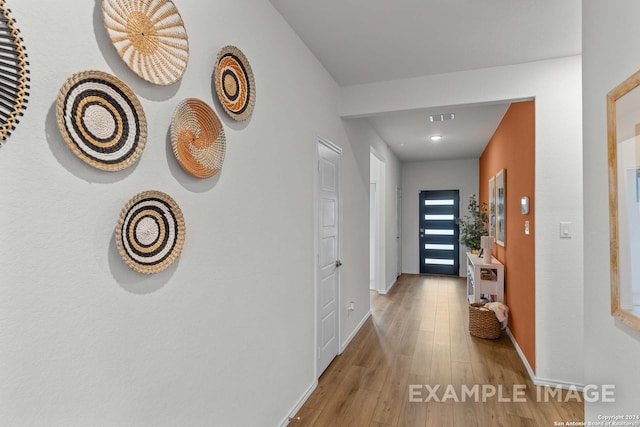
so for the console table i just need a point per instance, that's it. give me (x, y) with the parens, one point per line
(484, 278)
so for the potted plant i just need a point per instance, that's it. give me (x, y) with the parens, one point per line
(474, 225)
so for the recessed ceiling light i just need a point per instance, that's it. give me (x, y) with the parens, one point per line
(441, 117)
(436, 138)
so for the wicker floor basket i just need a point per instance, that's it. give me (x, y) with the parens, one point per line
(483, 323)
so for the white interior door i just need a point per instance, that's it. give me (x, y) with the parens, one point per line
(328, 255)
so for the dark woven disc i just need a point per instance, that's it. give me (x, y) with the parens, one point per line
(101, 120)
(150, 232)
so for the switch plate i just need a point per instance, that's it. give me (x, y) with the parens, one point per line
(526, 228)
(565, 230)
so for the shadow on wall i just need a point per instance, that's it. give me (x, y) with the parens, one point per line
(133, 281)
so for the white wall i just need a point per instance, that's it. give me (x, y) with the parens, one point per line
(610, 38)
(87, 341)
(377, 226)
(361, 133)
(556, 87)
(436, 175)
(355, 236)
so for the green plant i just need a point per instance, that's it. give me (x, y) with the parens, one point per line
(474, 225)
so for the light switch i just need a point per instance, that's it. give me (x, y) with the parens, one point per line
(565, 230)
(526, 228)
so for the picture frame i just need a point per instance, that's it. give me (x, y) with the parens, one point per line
(623, 148)
(492, 206)
(501, 207)
(638, 185)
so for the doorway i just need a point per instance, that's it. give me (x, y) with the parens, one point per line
(439, 233)
(377, 225)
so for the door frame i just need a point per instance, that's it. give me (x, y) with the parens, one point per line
(399, 231)
(316, 243)
(381, 217)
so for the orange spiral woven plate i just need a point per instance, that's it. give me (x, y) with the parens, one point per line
(101, 120)
(149, 36)
(233, 80)
(150, 232)
(198, 138)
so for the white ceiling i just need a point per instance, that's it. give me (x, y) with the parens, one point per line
(363, 41)
(408, 132)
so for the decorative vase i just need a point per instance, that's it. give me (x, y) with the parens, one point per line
(487, 245)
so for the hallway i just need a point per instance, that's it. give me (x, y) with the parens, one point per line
(418, 335)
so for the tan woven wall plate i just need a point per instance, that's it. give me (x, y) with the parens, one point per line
(101, 120)
(149, 36)
(234, 83)
(13, 74)
(150, 232)
(198, 138)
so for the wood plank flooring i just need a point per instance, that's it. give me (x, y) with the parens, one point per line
(418, 335)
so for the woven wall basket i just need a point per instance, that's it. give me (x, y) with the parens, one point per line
(198, 138)
(149, 36)
(483, 323)
(101, 120)
(150, 232)
(233, 80)
(13, 74)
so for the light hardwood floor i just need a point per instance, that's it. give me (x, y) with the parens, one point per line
(418, 335)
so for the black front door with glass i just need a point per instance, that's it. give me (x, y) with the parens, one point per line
(439, 234)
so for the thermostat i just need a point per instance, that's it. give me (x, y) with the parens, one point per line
(524, 205)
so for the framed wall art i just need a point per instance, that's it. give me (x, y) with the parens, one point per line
(623, 146)
(492, 206)
(501, 207)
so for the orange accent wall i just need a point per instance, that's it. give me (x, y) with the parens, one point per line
(512, 147)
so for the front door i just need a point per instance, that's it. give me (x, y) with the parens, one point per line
(328, 255)
(439, 234)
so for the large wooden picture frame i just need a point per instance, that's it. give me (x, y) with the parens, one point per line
(623, 142)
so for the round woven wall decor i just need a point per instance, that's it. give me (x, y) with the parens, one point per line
(101, 120)
(13, 74)
(149, 36)
(198, 138)
(233, 79)
(150, 232)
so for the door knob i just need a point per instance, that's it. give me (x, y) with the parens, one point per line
(338, 263)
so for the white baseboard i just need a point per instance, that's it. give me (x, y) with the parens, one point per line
(313, 386)
(386, 291)
(298, 405)
(355, 331)
(542, 381)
